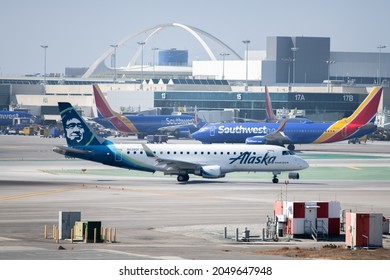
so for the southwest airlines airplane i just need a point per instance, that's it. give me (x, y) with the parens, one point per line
(208, 161)
(360, 123)
(7, 117)
(180, 126)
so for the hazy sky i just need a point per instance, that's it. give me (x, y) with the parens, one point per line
(78, 32)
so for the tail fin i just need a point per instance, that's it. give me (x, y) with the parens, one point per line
(103, 108)
(268, 106)
(121, 123)
(359, 119)
(77, 131)
(367, 110)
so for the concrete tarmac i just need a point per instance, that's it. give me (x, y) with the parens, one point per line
(156, 217)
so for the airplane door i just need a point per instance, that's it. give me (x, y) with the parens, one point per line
(118, 155)
(212, 131)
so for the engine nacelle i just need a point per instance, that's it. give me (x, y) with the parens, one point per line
(255, 140)
(211, 171)
(293, 175)
(182, 133)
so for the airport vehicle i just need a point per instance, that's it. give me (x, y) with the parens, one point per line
(360, 123)
(180, 126)
(207, 161)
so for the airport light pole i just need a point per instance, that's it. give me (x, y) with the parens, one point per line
(154, 57)
(142, 62)
(380, 47)
(288, 60)
(329, 62)
(294, 50)
(246, 42)
(44, 65)
(114, 46)
(223, 64)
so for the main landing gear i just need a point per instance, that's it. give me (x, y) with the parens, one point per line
(183, 177)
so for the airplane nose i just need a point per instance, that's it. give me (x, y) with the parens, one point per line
(304, 164)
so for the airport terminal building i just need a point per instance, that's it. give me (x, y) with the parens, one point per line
(301, 73)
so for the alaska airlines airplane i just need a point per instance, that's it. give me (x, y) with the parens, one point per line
(208, 161)
(180, 126)
(360, 123)
(7, 117)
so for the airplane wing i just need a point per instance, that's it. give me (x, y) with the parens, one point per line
(277, 137)
(367, 126)
(170, 165)
(171, 128)
(179, 131)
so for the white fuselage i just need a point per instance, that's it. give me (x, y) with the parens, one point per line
(229, 157)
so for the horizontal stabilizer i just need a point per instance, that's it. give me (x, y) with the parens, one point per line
(63, 149)
(367, 126)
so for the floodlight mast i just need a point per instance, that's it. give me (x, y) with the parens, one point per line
(142, 44)
(44, 65)
(246, 63)
(115, 47)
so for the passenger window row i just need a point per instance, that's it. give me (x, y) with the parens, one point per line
(187, 153)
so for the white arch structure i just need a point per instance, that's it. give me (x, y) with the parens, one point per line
(99, 63)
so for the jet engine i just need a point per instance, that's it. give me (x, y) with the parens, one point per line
(211, 171)
(182, 133)
(293, 175)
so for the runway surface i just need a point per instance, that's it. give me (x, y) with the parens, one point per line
(158, 218)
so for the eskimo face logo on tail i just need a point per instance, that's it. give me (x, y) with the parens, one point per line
(77, 131)
(250, 158)
(74, 130)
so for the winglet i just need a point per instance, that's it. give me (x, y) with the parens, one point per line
(148, 151)
(282, 125)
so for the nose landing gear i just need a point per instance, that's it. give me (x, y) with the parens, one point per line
(275, 179)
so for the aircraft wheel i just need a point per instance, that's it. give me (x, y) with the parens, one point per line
(183, 177)
(275, 180)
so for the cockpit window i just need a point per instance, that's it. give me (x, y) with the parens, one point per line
(287, 152)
